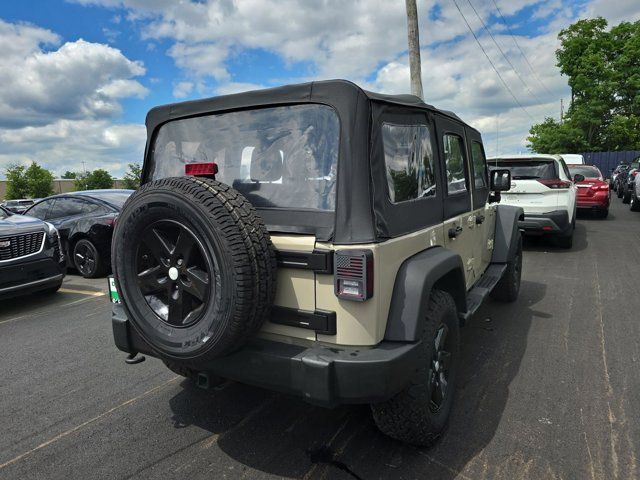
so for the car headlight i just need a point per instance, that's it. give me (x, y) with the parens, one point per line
(51, 230)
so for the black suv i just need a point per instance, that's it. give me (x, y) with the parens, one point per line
(30, 255)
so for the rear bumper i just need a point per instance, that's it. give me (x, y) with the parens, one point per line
(597, 202)
(554, 223)
(326, 376)
(28, 277)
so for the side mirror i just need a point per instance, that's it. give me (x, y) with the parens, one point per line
(578, 178)
(500, 180)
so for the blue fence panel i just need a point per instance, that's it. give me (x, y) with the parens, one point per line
(607, 161)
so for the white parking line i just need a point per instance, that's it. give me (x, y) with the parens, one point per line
(46, 310)
(88, 422)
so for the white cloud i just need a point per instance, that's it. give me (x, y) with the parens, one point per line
(58, 103)
(182, 89)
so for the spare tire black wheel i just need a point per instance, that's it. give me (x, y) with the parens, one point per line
(195, 266)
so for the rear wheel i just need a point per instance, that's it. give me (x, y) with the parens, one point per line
(635, 202)
(418, 415)
(87, 259)
(626, 197)
(508, 287)
(619, 191)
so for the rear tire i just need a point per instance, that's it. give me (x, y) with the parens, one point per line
(508, 287)
(619, 191)
(634, 203)
(626, 197)
(418, 415)
(87, 260)
(51, 290)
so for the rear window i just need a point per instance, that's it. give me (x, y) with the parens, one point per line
(281, 157)
(587, 172)
(528, 169)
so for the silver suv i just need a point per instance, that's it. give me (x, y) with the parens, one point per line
(315, 239)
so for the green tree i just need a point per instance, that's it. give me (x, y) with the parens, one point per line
(95, 180)
(39, 181)
(131, 179)
(603, 70)
(68, 175)
(17, 186)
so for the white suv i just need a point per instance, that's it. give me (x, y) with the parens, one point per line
(543, 187)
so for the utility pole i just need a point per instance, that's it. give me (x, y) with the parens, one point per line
(561, 110)
(415, 68)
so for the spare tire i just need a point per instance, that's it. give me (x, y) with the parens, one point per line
(196, 268)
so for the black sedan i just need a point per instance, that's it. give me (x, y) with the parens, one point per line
(30, 255)
(85, 222)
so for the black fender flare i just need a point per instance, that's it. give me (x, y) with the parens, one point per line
(417, 276)
(507, 233)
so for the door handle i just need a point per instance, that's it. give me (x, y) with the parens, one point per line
(454, 232)
(479, 219)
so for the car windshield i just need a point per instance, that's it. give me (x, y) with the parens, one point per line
(585, 171)
(3, 213)
(528, 169)
(282, 157)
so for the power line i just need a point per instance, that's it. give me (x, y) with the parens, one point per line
(504, 21)
(526, 86)
(492, 64)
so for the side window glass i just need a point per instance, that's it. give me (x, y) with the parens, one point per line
(40, 210)
(454, 161)
(479, 165)
(409, 162)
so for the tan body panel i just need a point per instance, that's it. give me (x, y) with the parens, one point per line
(364, 323)
(296, 288)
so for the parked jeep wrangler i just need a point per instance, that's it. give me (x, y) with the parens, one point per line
(314, 239)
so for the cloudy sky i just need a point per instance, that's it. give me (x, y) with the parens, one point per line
(78, 76)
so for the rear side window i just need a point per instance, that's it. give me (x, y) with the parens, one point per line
(40, 210)
(409, 162)
(530, 169)
(479, 165)
(454, 160)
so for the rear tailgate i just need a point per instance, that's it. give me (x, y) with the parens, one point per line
(527, 190)
(296, 287)
(532, 196)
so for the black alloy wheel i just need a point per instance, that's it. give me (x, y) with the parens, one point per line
(174, 273)
(439, 371)
(86, 258)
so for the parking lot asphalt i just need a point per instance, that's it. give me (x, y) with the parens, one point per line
(549, 388)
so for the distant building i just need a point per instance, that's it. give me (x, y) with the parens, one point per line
(59, 185)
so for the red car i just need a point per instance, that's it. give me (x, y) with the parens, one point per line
(593, 191)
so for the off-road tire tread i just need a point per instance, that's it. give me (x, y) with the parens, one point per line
(406, 416)
(249, 246)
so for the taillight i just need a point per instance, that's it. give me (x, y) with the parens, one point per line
(201, 169)
(633, 174)
(555, 183)
(353, 278)
(600, 187)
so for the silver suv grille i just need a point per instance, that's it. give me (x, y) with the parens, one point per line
(16, 246)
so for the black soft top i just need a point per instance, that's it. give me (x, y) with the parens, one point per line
(357, 218)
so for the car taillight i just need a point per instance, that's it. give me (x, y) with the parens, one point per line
(600, 187)
(353, 278)
(201, 169)
(555, 183)
(633, 174)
